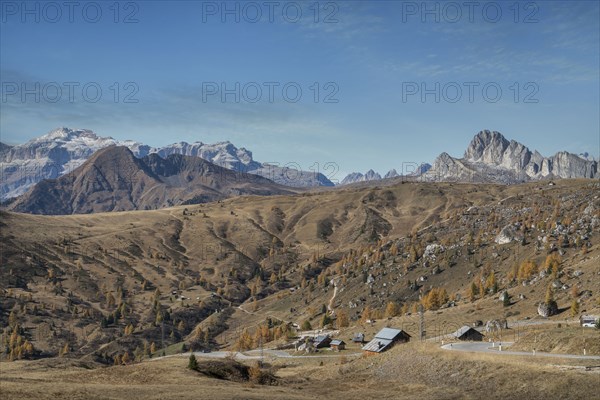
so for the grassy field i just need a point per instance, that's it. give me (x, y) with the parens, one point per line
(408, 371)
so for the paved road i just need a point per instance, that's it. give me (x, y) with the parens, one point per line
(255, 355)
(485, 347)
(515, 328)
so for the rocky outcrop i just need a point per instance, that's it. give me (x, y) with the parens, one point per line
(490, 157)
(508, 234)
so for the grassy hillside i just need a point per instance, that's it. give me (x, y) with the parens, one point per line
(97, 286)
(410, 371)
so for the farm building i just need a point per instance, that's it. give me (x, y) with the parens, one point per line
(385, 339)
(337, 344)
(358, 338)
(321, 341)
(468, 333)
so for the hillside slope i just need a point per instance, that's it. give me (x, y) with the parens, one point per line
(113, 179)
(82, 280)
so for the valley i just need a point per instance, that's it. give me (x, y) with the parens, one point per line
(80, 281)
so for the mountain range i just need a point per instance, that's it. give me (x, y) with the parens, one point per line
(490, 157)
(63, 150)
(185, 173)
(113, 179)
(411, 169)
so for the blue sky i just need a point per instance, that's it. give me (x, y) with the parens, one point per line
(371, 62)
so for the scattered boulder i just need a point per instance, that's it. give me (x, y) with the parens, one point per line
(556, 284)
(548, 309)
(433, 249)
(507, 235)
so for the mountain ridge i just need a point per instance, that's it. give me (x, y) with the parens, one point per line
(492, 157)
(114, 179)
(62, 150)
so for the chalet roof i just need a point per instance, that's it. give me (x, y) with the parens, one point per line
(321, 339)
(383, 339)
(389, 333)
(337, 342)
(464, 329)
(377, 345)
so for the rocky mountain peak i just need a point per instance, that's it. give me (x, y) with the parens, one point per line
(62, 150)
(486, 144)
(492, 157)
(391, 174)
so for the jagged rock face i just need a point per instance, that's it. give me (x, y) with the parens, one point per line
(490, 157)
(355, 177)
(411, 170)
(223, 154)
(372, 176)
(63, 150)
(493, 149)
(567, 165)
(391, 174)
(447, 168)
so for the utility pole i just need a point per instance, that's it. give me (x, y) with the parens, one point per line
(260, 341)
(421, 323)
(162, 333)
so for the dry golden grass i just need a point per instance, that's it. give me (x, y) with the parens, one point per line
(169, 247)
(411, 371)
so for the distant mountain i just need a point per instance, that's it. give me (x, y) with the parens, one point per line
(490, 157)
(391, 174)
(371, 175)
(355, 177)
(62, 150)
(113, 179)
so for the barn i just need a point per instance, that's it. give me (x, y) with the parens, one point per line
(358, 338)
(385, 339)
(321, 341)
(337, 344)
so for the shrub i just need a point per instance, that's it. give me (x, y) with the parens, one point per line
(306, 326)
(193, 363)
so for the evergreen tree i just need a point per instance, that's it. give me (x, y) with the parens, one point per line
(506, 299)
(193, 363)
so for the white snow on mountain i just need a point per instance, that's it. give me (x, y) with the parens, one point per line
(63, 150)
